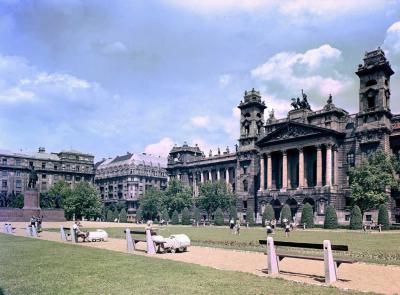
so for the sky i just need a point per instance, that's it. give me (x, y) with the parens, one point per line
(108, 77)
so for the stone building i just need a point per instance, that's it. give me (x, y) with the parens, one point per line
(71, 166)
(306, 156)
(124, 179)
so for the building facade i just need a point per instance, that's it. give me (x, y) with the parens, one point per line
(306, 156)
(124, 179)
(71, 166)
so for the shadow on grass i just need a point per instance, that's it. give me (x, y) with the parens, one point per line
(2, 291)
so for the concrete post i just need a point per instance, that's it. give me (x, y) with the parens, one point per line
(151, 250)
(269, 171)
(74, 238)
(330, 265)
(301, 168)
(5, 228)
(62, 233)
(130, 244)
(262, 184)
(319, 166)
(273, 267)
(34, 231)
(284, 171)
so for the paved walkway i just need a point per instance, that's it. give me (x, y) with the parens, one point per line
(358, 276)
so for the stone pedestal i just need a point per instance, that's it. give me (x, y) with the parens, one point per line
(31, 199)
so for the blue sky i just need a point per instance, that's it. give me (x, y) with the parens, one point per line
(107, 77)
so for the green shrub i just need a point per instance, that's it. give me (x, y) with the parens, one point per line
(286, 214)
(383, 216)
(218, 217)
(233, 213)
(175, 217)
(307, 216)
(109, 217)
(250, 216)
(268, 214)
(122, 216)
(185, 216)
(165, 215)
(139, 214)
(331, 221)
(196, 215)
(356, 218)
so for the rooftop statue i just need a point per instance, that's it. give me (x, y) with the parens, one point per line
(298, 104)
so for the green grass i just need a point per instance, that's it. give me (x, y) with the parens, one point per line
(32, 266)
(382, 248)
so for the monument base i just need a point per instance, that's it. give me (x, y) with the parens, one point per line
(31, 199)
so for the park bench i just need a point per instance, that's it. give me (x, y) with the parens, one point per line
(331, 264)
(131, 242)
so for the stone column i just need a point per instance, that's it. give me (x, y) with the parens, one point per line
(319, 166)
(194, 185)
(335, 165)
(227, 175)
(284, 170)
(178, 176)
(328, 173)
(218, 175)
(202, 177)
(301, 168)
(269, 171)
(262, 173)
(210, 176)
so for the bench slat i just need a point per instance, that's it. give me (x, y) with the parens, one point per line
(350, 261)
(137, 232)
(306, 245)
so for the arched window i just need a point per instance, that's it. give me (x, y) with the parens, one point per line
(371, 102)
(245, 185)
(370, 83)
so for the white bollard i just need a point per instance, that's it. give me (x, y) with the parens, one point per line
(273, 266)
(34, 232)
(9, 228)
(151, 250)
(74, 238)
(62, 232)
(28, 231)
(330, 265)
(4, 229)
(130, 244)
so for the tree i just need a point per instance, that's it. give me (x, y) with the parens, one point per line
(307, 216)
(176, 197)
(286, 214)
(268, 214)
(60, 191)
(175, 217)
(250, 216)
(218, 217)
(151, 203)
(233, 213)
(109, 217)
(18, 201)
(139, 214)
(83, 201)
(383, 216)
(370, 181)
(122, 216)
(215, 195)
(196, 215)
(185, 216)
(331, 221)
(165, 215)
(356, 218)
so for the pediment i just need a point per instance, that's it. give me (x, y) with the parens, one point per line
(293, 130)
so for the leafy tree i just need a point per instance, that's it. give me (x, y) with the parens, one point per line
(307, 216)
(185, 216)
(233, 213)
(370, 180)
(139, 214)
(356, 218)
(286, 214)
(82, 201)
(331, 221)
(60, 191)
(165, 215)
(46, 200)
(123, 216)
(176, 197)
(109, 217)
(175, 217)
(151, 203)
(18, 201)
(214, 195)
(218, 217)
(250, 216)
(383, 216)
(196, 215)
(115, 214)
(268, 214)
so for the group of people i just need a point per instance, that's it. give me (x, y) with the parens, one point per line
(37, 222)
(235, 227)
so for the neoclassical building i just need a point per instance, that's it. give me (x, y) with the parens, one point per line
(306, 156)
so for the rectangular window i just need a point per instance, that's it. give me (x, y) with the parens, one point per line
(43, 176)
(18, 162)
(4, 162)
(43, 165)
(350, 159)
(4, 173)
(67, 177)
(4, 184)
(55, 177)
(77, 178)
(18, 173)
(55, 167)
(245, 204)
(18, 183)
(368, 217)
(347, 217)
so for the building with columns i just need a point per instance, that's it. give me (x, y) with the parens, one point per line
(304, 157)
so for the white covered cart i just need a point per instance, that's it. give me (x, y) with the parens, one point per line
(175, 243)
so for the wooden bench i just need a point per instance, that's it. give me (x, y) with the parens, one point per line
(331, 264)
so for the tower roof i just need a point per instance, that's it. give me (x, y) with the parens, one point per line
(252, 97)
(373, 61)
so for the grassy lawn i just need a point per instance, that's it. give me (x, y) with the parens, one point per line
(30, 266)
(383, 248)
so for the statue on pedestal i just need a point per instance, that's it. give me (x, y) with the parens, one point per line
(33, 177)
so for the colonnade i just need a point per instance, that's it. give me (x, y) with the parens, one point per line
(299, 172)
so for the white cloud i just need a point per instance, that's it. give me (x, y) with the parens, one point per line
(212, 6)
(200, 121)
(296, 71)
(224, 80)
(392, 39)
(161, 148)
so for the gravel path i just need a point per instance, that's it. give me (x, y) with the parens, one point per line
(358, 276)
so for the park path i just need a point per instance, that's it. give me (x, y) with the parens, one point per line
(359, 276)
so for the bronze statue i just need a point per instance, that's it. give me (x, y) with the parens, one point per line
(298, 104)
(33, 178)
